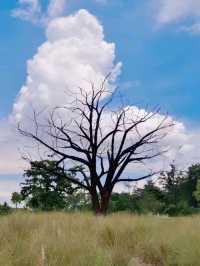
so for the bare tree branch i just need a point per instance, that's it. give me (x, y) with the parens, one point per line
(103, 149)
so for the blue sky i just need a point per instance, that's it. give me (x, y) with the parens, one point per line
(165, 62)
(157, 41)
(18, 42)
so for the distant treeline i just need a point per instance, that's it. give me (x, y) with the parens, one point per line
(171, 193)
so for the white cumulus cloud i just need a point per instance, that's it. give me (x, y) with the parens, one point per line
(74, 55)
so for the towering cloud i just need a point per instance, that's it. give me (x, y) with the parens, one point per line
(74, 55)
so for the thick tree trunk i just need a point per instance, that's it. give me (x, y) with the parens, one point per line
(105, 199)
(95, 203)
(100, 202)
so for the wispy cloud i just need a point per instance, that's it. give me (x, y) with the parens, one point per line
(32, 11)
(29, 10)
(193, 29)
(177, 11)
(130, 84)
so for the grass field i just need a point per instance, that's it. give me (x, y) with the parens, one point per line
(57, 239)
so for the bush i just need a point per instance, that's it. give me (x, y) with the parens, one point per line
(181, 209)
(4, 208)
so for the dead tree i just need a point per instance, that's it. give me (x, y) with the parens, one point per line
(104, 142)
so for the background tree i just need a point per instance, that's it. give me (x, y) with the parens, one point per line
(171, 182)
(122, 202)
(104, 150)
(193, 175)
(16, 198)
(150, 199)
(46, 187)
(78, 201)
(197, 192)
(4, 208)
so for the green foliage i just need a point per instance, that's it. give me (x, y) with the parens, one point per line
(171, 182)
(46, 187)
(150, 199)
(168, 198)
(197, 192)
(4, 208)
(78, 201)
(193, 177)
(122, 202)
(144, 200)
(182, 208)
(16, 198)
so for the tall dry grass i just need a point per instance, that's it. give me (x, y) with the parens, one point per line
(58, 239)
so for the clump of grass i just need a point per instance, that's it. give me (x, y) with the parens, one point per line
(60, 239)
